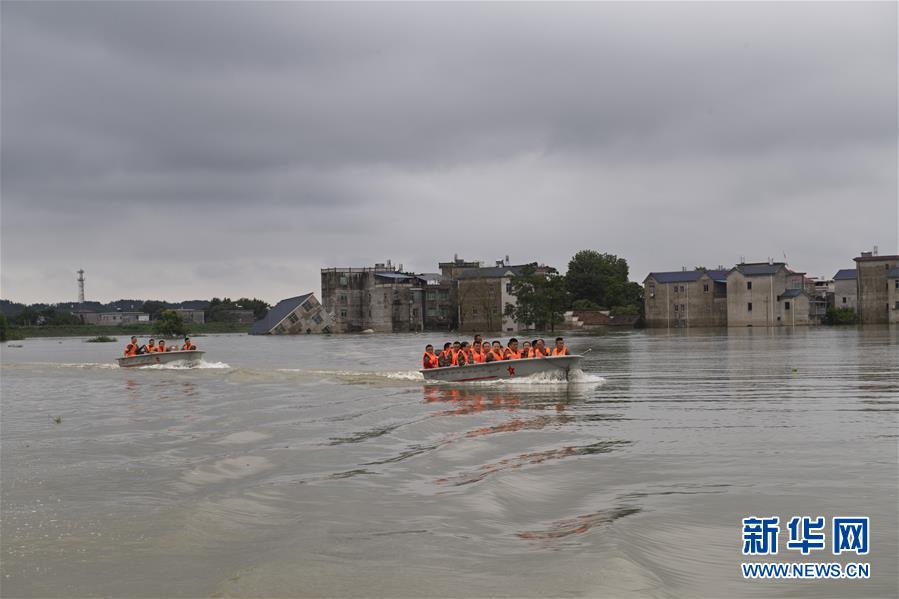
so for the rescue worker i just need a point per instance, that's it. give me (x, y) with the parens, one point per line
(478, 340)
(454, 353)
(526, 350)
(540, 350)
(512, 352)
(445, 356)
(466, 353)
(430, 359)
(150, 347)
(560, 349)
(132, 348)
(160, 347)
(495, 354)
(188, 346)
(477, 353)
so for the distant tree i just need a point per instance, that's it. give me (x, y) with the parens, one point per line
(259, 307)
(3, 327)
(600, 278)
(585, 304)
(27, 317)
(840, 316)
(154, 308)
(169, 324)
(541, 299)
(53, 317)
(220, 310)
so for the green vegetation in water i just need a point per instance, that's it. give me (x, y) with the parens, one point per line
(56, 419)
(101, 339)
(170, 324)
(840, 316)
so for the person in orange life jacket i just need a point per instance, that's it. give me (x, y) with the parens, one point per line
(454, 353)
(478, 340)
(150, 347)
(477, 353)
(430, 359)
(188, 345)
(445, 356)
(160, 347)
(540, 349)
(495, 354)
(466, 353)
(526, 350)
(560, 349)
(512, 352)
(132, 348)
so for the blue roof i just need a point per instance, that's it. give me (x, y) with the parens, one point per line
(846, 274)
(277, 314)
(687, 276)
(893, 274)
(791, 293)
(395, 275)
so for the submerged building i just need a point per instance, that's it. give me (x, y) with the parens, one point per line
(845, 289)
(381, 298)
(302, 314)
(767, 294)
(686, 298)
(877, 279)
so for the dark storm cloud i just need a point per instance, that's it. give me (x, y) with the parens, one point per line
(275, 138)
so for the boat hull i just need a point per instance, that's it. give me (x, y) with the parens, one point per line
(505, 369)
(191, 358)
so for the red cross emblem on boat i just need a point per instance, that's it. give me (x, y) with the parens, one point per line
(511, 371)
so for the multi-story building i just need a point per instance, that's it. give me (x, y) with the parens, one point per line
(294, 316)
(767, 294)
(845, 289)
(192, 316)
(877, 279)
(383, 299)
(686, 298)
(440, 308)
(483, 295)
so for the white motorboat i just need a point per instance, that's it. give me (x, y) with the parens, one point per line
(189, 357)
(503, 369)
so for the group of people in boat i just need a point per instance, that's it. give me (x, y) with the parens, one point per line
(134, 348)
(481, 351)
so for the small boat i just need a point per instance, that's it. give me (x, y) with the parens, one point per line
(190, 358)
(503, 369)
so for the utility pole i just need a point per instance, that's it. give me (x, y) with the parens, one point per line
(80, 286)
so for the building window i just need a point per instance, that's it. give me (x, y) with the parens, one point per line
(414, 312)
(749, 287)
(897, 283)
(675, 307)
(508, 287)
(444, 294)
(682, 289)
(705, 288)
(343, 313)
(432, 312)
(844, 299)
(317, 319)
(786, 305)
(749, 306)
(343, 281)
(683, 308)
(343, 300)
(432, 296)
(897, 306)
(652, 291)
(307, 305)
(474, 311)
(293, 318)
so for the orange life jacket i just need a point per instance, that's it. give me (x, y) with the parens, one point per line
(151, 348)
(539, 353)
(159, 348)
(479, 357)
(561, 352)
(429, 360)
(461, 359)
(526, 353)
(188, 346)
(513, 355)
(131, 349)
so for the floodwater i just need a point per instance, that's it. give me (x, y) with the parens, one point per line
(324, 466)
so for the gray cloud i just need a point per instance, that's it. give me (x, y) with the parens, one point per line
(274, 138)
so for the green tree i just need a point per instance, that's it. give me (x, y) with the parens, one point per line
(27, 317)
(3, 326)
(154, 308)
(840, 316)
(259, 307)
(541, 298)
(600, 278)
(169, 324)
(585, 304)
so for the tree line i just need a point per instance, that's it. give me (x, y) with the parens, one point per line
(594, 281)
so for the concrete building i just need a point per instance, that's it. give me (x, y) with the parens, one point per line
(877, 279)
(191, 316)
(766, 294)
(302, 314)
(117, 318)
(686, 298)
(383, 299)
(483, 294)
(845, 289)
(440, 307)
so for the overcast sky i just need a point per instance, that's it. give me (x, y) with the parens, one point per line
(191, 150)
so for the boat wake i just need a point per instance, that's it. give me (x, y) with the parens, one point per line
(575, 377)
(201, 365)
